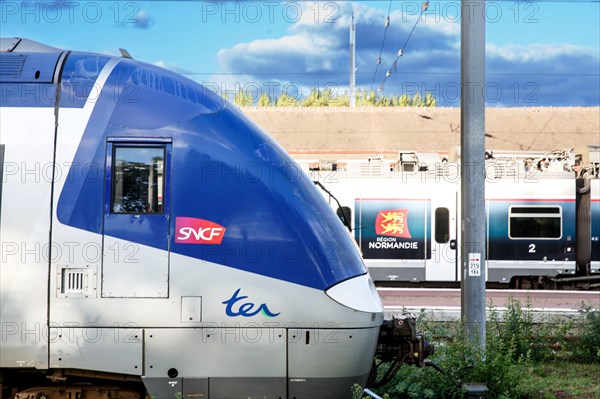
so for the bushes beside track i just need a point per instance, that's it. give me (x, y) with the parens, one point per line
(523, 359)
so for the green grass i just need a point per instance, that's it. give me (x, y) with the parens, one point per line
(544, 380)
(561, 380)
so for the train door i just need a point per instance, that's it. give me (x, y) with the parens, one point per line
(1, 183)
(442, 265)
(1, 178)
(136, 228)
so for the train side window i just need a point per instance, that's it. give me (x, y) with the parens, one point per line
(442, 225)
(535, 222)
(137, 179)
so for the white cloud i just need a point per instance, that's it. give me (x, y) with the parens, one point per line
(537, 52)
(315, 50)
(142, 20)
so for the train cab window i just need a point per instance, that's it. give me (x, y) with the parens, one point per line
(535, 222)
(137, 179)
(442, 225)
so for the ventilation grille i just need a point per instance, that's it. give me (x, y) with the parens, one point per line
(502, 169)
(74, 281)
(371, 168)
(11, 65)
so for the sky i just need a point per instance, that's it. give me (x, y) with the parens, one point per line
(543, 53)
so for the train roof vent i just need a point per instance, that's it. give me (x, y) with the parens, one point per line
(446, 170)
(594, 153)
(373, 167)
(28, 67)
(11, 67)
(408, 161)
(497, 169)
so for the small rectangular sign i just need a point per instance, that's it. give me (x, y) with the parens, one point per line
(474, 264)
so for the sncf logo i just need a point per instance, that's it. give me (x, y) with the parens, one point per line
(198, 231)
(392, 223)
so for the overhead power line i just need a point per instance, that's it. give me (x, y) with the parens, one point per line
(387, 25)
(400, 53)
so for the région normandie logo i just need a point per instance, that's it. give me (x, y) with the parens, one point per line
(392, 223)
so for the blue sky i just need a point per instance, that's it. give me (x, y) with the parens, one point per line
(544, 53)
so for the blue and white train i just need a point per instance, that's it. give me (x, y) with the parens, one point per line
(405, 216)
(155, 242)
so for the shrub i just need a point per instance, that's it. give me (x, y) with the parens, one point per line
(586, 346)
(515, 345)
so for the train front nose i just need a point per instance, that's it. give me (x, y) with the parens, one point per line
(397, 340)
(326, 362)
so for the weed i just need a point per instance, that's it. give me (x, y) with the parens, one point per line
(586, 348)
(515, 345)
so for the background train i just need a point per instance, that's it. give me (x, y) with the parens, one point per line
(542, 222)
(152, 244)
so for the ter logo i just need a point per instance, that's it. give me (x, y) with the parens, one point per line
(245, 309)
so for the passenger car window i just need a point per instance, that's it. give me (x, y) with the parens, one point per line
(537, 222)
(137, 179)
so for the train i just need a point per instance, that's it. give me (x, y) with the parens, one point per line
(154, 244)
(542, 216)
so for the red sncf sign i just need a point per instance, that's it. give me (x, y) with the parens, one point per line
(392, 223)
(198, 231)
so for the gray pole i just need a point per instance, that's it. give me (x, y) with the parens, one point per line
(352, 63)
(473, 248)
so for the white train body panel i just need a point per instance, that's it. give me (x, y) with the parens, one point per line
(28, 136)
